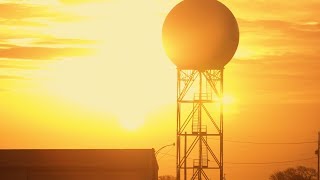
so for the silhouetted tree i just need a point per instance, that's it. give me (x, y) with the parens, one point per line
(167, 177)
(299, 173)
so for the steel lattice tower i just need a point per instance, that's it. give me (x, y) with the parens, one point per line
(199, 123)
(200, 37)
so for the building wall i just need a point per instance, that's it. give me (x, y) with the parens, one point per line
(78, 164)
(14, 174)
(73, 175)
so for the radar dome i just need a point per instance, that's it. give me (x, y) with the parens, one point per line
(200, 34)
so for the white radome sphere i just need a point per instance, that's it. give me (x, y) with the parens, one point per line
(200, 34)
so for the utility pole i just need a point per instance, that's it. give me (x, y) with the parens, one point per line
(318, 153)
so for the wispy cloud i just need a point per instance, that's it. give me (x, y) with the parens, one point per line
(261, 38)
(4, 66)
(27, 37)
(12, 77)
(42, 53)
(24, 11)
(81, 1)
(294, 10)
(66, 41)
(282, 78)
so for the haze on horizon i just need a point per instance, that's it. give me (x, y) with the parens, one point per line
(93, 74)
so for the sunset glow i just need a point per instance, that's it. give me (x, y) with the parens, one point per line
(94, 74)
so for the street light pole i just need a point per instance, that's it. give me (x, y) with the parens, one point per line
(157, 152)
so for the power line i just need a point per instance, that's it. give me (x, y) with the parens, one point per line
(164, 154)
(269, 143)
(275, 143)
(274, 162)
(257, 163)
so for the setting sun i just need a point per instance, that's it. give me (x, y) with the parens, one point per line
(110, 80)
(227, 99)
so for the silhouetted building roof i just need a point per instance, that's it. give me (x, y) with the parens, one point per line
(95, 164)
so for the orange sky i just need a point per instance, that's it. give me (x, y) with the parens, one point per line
(93, 74)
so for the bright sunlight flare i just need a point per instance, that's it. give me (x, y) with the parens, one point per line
(129, 64)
